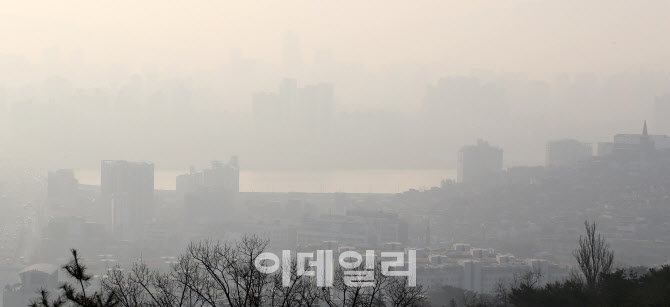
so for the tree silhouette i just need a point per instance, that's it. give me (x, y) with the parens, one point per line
(223, 274)
(74, 294)
(593, 255)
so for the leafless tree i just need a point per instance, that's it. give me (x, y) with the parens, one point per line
(382, 291)
(212, 274)
(225, 274)
(593, 255)
(301, 291)
(144, 287)
(401, 295)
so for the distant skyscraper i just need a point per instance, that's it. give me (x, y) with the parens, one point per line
(479, 162)
(128, 189)
(190, 181)
(222, 176)
(566, 152)
(210, 195)
(303, 111)
(291, 53)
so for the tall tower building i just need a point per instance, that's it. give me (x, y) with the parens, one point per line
(304, 112)
(127, 188)
(291, 53)
(479, 162)
(211, 194)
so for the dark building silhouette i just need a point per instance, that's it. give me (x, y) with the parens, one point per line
(291, 53)
(63, 233)
(219, 175)
(211, 194)
(479, 162)
(127, 188)
(33, 278)
(625, 145)
(298, 113)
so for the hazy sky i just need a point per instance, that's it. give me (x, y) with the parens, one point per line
(538, 37)
(73, 70)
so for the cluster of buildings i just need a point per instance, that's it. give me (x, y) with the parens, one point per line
(534, 212)
(480, 270)
(297, 111)
(296, 228)
(126, 212)
(210, 195)
(121, 220)
(538, 211)
(634, 144)
(483, 162)
(127, 189)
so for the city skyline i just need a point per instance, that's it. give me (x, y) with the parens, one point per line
(303, 153)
